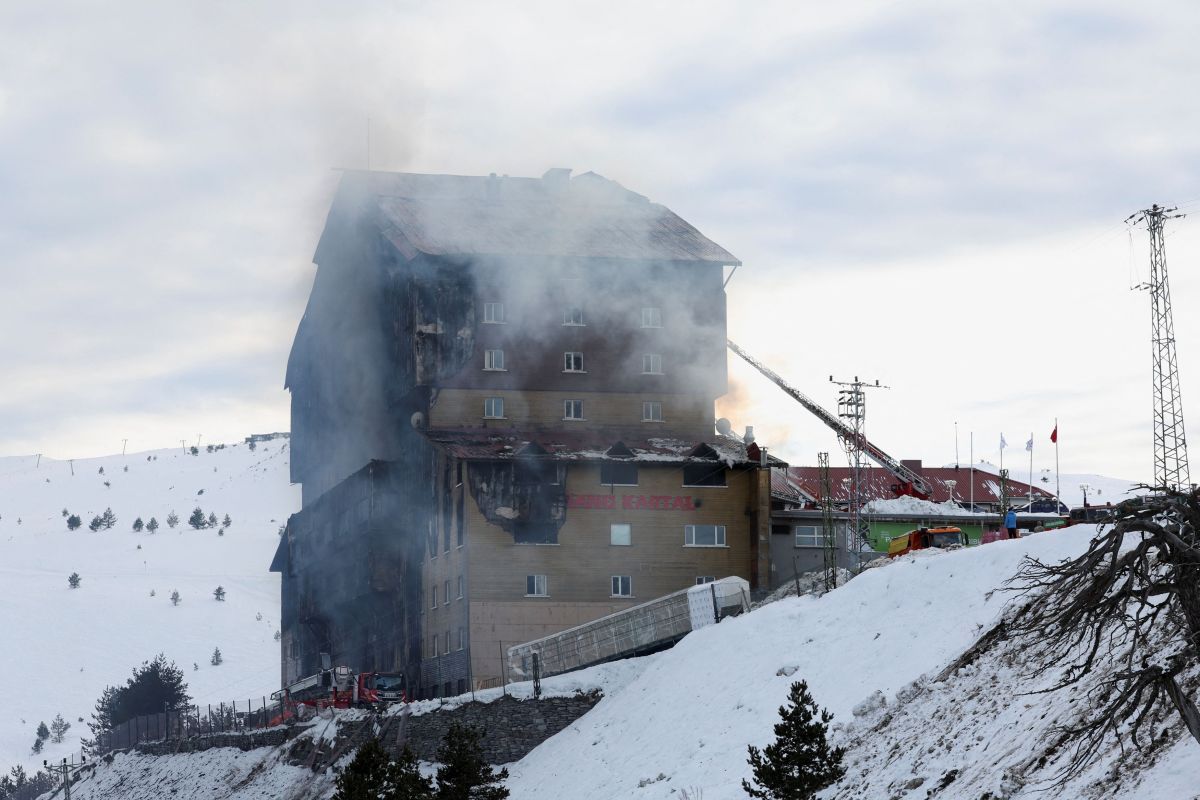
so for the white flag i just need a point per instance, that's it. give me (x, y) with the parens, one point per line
(1003, 444)
(1029, 445)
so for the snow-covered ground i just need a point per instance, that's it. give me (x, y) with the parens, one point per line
(63, 645)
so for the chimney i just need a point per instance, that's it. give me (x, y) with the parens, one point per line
(912, 463)
(749, 437)
(557, 180)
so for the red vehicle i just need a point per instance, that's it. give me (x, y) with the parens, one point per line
(340, 687)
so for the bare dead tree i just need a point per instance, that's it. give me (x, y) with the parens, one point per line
(1127, 609)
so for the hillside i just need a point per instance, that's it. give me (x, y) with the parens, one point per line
(681, 720)
(65, 645)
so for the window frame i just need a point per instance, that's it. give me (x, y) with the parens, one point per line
(446, 591)
(702, 580)
(619, 582)
(817, 536)
(720, 536)
(433, 596)
(655, 315)
(573, 404)
(569, 317)
(628, 534)
(494, 401)
(572, 357)
(461, 587)
(649, 361)
(490, 357)
(648, 406)
(532, 581)
(490, 317)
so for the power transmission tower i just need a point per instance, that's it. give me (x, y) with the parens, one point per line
(1170, 444)
(827, 527)
(852, 407)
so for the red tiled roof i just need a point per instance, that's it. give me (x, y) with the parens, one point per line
(878, 483)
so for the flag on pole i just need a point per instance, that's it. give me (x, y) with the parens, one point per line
(1054, 434)
(1003, 444)
(1029, 445)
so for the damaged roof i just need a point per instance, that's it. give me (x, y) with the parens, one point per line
(878, 483)
(499, 444)
(585, 216)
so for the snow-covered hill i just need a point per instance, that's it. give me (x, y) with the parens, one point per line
(62, 646)
(1101, 489)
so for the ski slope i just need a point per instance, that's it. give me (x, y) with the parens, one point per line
(63, 645)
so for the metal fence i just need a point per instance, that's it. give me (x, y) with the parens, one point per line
(181, 723)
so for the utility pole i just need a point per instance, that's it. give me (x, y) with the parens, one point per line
(64, 769)
(852, 407)
(1170, 444)
(827, 525)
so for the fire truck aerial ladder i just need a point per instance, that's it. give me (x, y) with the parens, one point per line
(909, 481)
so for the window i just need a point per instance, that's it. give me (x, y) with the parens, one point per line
(433, 598)
(460, 587)
(493, 313)
(808, 536)
(433, 651)
(493, 359)
(535, 586)
(652, 411)
(652, 364)
(462, 638)
(622, 586)
(620, 534)
(618, 473)
(446, 592)
(572, 409)
(573, 315)
(572, 362)
(703, 579)
(704, 474)
(651, 317)
(704, 535)
(493, 408)
(446, 649)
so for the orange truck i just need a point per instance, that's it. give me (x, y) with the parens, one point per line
(924, 538)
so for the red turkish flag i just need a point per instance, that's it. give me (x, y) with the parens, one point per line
(1054, 435)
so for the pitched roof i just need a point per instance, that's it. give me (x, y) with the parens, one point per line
(587, 216)
(499, 444)
(878, 484)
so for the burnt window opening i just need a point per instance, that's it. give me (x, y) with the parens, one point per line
(619, 450)
(704, 475)
(618, 473)
(528, 472)
(535, 533)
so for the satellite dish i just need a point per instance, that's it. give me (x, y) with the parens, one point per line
(724, 427)
(418, 420)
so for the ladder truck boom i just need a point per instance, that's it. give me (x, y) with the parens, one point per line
(911, 482)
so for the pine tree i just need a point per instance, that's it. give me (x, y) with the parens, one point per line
(59, 727)
(196, 520)
(138, 525)
(37, 745)
(96, 524)
(66, 513)
(212, 519)
(365, 777)
(219, 594)
(407, 781)
(172, 519)
(108, 518)
(152, 525)
(216, 657)
(800, 763)
(175, 598)
(225, 523)
(74, 580)
(463, 774)
(73, 522)
(42, 731)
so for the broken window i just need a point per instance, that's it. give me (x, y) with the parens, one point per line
(704, 535)
(535, 586)
(573, 315)
(652, 411)
(493, 359)
(703, 474)
(651, 317)
(622, 586)
(652, 364)
(535, 533)
(572, 362)
(494, 313)
(493, 408)
(618, 473)
(572, 409)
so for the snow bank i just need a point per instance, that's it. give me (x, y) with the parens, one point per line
(913, 505)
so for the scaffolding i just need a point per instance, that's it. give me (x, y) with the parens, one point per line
(828, 530)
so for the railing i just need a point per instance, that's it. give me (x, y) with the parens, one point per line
(188, 722)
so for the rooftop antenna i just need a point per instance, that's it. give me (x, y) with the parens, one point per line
(1170, 444)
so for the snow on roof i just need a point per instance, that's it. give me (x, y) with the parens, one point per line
(878, 483)
(492, 444)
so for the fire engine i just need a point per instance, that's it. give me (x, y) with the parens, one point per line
(340, 687)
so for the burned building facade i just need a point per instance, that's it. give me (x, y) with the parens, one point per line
(502, 419)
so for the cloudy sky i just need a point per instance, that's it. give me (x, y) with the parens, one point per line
(930, 194)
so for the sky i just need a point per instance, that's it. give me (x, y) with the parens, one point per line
(927, 194)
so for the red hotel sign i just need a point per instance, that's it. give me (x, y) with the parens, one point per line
(656, 502)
